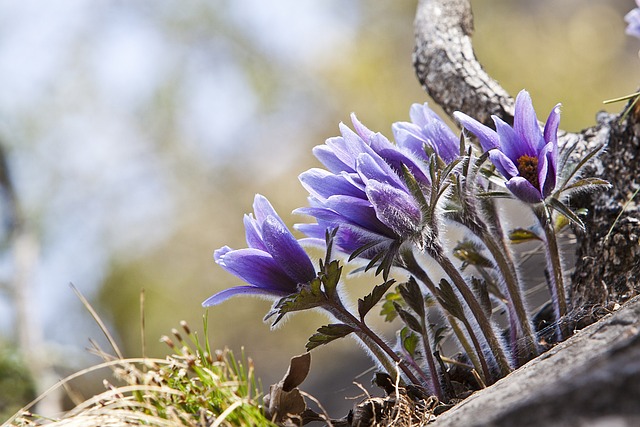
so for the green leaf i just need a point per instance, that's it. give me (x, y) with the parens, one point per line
(564, 210)
(469, 253)
(330, 278)
(412, 295)
(409, 341)
(408, 319)
(388, 310)
(369, 301)
(521, 235)
(328, 333)
(309, 296)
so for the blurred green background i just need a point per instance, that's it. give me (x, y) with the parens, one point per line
(137, 133)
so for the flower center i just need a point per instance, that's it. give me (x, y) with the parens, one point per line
(528, 168)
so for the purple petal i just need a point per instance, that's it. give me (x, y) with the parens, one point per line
(328, 158)
(357, 211)
(547, 169)
(323, 184)
(241, 291)
(488, 137)
(286, 251)
(263, 209)
(523, 190)
(510, 143)
(551, 133)
(552, 124)
(364, 132)
(395, 208)
(253, 233)
(409, 136)
(504, 164)
(444, 141)
(525, 123)
(257, 268)
(373, 167)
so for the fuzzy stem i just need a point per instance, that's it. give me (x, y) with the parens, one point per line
(465, 344)
(508, 270)
(414, 268)
(374, 343)
(504, 262)
(476, 310)
(428, 354)
(545, 218)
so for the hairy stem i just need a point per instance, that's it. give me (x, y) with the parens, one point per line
(476, 310)
(380, 349)
(556, 276)
(480, 361)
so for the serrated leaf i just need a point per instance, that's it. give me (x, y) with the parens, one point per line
(480, 287)
(361, 250)
(521, 235)
(369, 301)
(579, 166)
(439, 334)
(408, 318)
(417, 193)
(329, 238)
(309, 296)
(331, 278)
(412, 295)
(563, 209)
(469, 253)
(588, 182)
(449, 300)
(409, 341)
(328, 333)
(388, 310)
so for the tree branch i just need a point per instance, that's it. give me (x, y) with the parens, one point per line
(608, 254)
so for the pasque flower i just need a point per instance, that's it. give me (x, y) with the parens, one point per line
(273, 265)
(524, 154)
(426, 128)
(362, 192)
(633, 20)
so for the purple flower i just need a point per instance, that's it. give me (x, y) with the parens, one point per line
(524, 154)
(362, 192)
(633, 19)
(273, 265)
(426, 128)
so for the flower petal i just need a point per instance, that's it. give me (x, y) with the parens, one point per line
(373, 167)
(510, 143)
(323, 184)
(504, 164)
(253, 233)
(257, 268)
(525, 123)
(523, 190)
(286, 251)
(395, 208)
(547, 169)
(262, 209)
(241, 291)
(328, 158)
(488, 137)
(364, 132)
